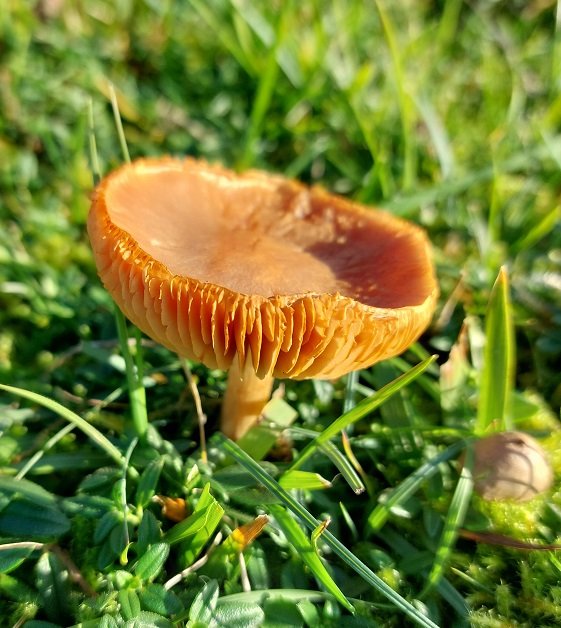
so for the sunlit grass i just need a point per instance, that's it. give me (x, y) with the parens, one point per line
(443, 113)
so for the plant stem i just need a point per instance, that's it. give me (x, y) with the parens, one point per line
(245, 398)
(201, 416)
(137, 393)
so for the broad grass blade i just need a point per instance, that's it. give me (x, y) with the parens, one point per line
(362, 409)
(96, 436)
(306, 552)
(496, 381)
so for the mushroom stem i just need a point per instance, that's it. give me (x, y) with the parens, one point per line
(244, 400)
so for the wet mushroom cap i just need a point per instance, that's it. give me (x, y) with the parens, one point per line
(214, 265)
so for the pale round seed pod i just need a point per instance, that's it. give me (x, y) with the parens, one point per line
(510, 466)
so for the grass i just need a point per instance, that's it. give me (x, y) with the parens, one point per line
(443, 112)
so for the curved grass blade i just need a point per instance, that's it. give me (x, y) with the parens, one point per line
(361, 410)
(91, 432)
(39, 454)
(134, 366)
(345, 467)
(85, 459)
(339, 459)
(119, 123)
(308, 553)
(311, 522)
(350, 391)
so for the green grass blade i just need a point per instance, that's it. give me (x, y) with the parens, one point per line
(454, 520)
(406, 108)
(339, 459)
(406, 203)
(134, 365)
(87, 458)
(361, 410)
(91, 432)
(345, 467)
(539, 230)
(350, 391)
(265, 89)
(428, 384)
(119, 123)
(303, 480)
(254, 17)
(223, 33)
(39, 454)
(494, 221)
(311, 522)
(403, 548)
(94, 157)
(448, 25)
(306, 552)
(401, 493)
(497, 374)
(137, 392)
(122, 484)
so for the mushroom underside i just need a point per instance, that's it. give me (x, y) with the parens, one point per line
(259, 271)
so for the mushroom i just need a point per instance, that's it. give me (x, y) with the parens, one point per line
(510, 465)
(258, 274)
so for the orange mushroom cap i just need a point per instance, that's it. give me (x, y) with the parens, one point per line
(214, 265)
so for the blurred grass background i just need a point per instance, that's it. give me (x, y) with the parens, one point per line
(446, 112)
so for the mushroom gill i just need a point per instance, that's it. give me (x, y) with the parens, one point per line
(259, 271)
